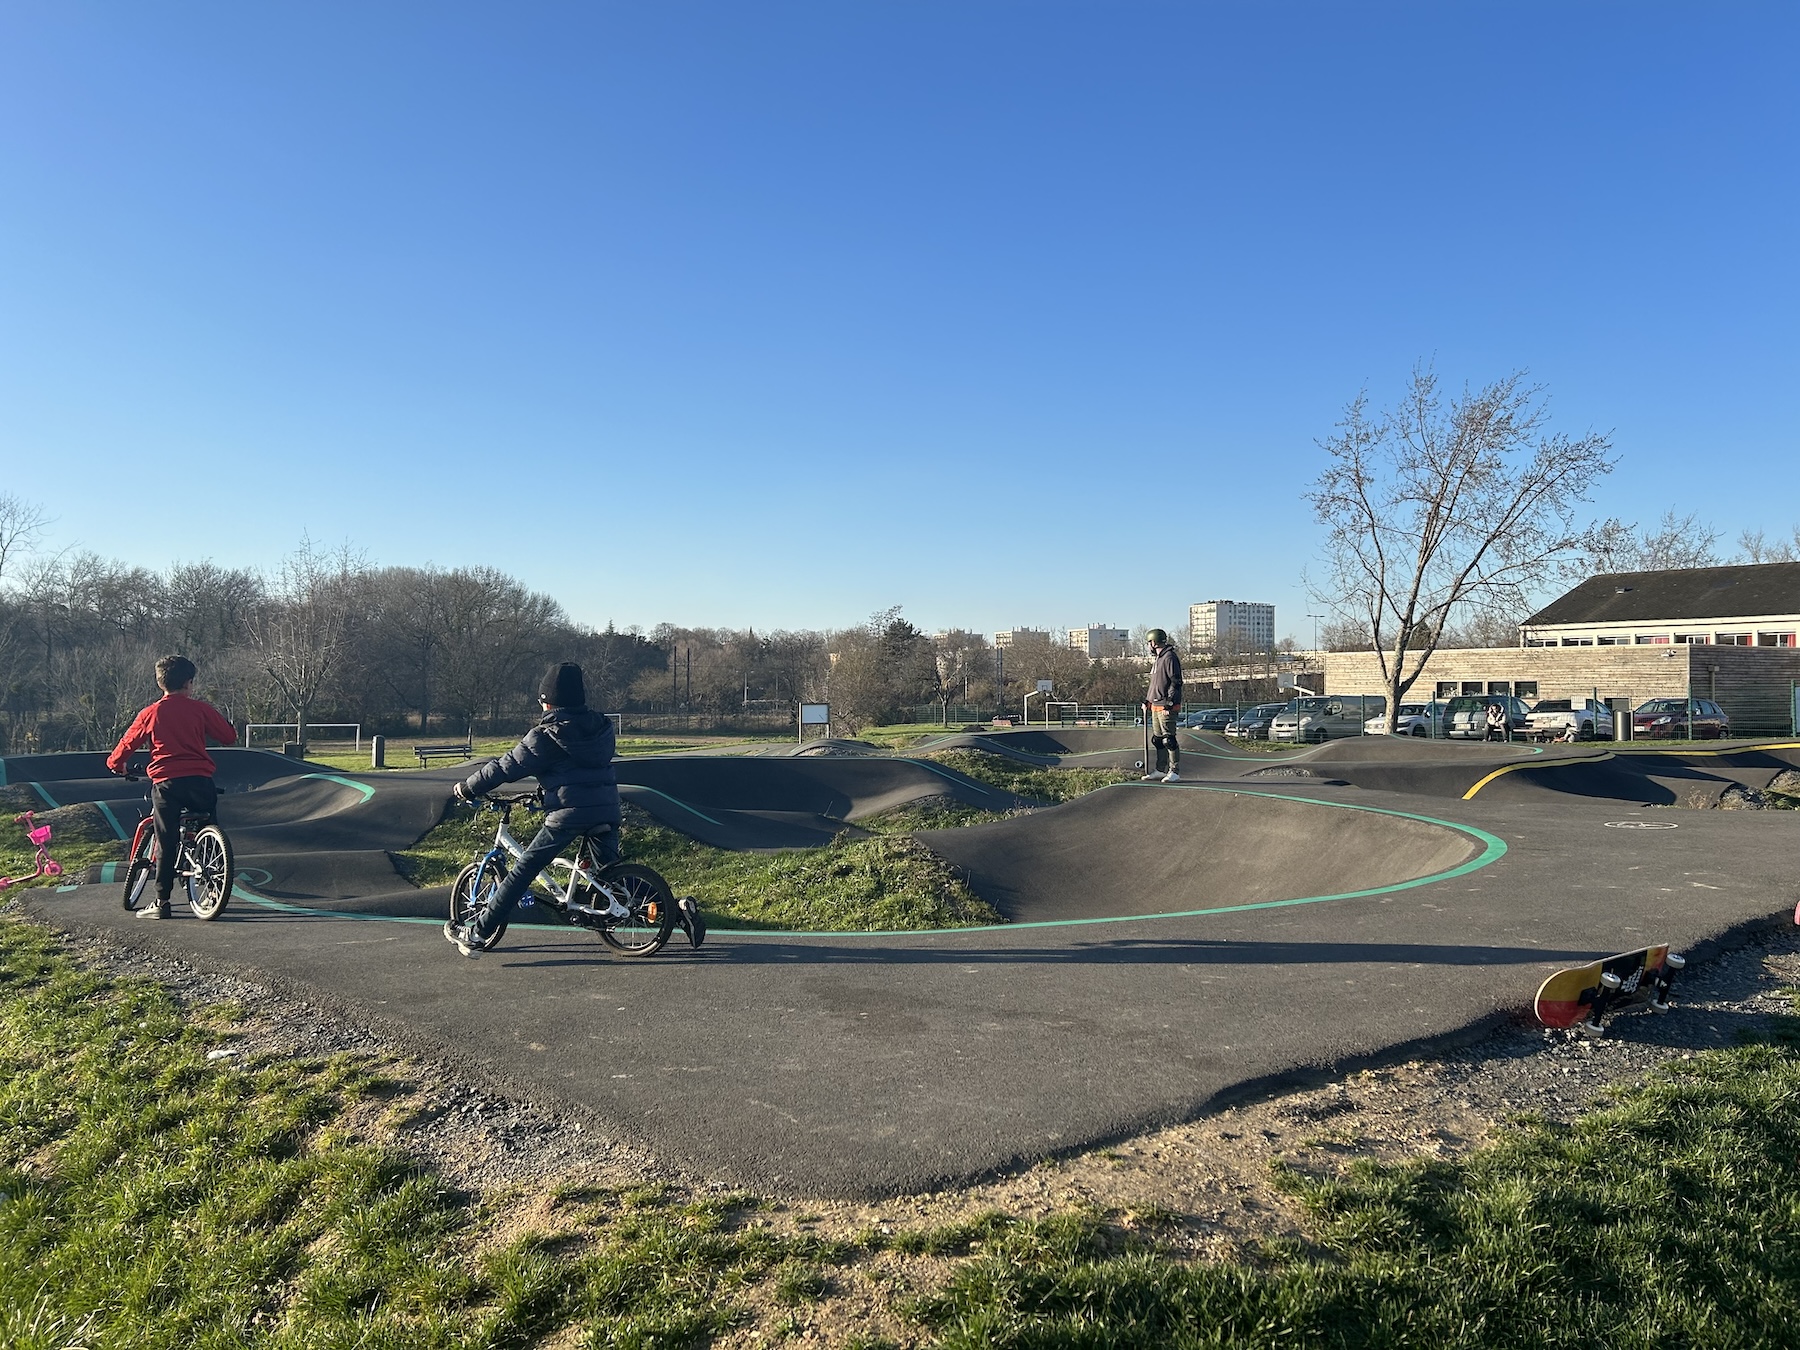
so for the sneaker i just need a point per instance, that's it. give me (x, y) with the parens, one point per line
(1171, 777)
(1151, 778)
(691, 922)
(458, 936)
(159, 910)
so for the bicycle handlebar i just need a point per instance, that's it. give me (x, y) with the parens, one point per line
(489, 802)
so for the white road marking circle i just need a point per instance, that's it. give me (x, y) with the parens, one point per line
(1641, 825)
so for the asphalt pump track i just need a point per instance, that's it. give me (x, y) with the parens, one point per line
(1167, 946)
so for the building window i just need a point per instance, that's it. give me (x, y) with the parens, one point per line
(1540, 642)
(1692, 640)
(1578, 642)
(1732, 639)
(1472, 687)
(1659, 640)
(1613, 642)
(1502, 687)
(1446, 688)
(1774, 639)
(1525, 689)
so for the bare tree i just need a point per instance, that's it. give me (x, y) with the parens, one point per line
(299, 635)
(1614, 546)
(21, 522)
(1755, 547)
(1435, 512)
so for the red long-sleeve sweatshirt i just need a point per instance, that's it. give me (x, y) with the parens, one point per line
(176, 728)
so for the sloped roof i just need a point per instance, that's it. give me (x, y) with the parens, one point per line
(1679, 594)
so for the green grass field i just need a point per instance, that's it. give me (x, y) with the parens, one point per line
(886, 884)
(79, 837)
(151, 1197)
(1045, 785)
(400, 757)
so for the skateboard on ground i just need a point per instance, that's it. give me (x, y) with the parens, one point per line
(1583, 996)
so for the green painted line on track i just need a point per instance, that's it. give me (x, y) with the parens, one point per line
(691, 810)
(49, 801)
(942, 772)
(112, 820)
(364, 788)
(1493, 849)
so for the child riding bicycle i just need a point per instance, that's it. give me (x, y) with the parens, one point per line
(570, 753)
(176, 728)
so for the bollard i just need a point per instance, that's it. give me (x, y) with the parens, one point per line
(378, 752)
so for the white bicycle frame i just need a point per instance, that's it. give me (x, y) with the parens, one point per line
(503, 838)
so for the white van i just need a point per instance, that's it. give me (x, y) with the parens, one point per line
(1325, 718)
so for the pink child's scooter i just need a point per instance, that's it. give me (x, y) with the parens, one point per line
(46, 865)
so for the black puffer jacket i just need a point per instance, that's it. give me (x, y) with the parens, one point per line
(570, 753)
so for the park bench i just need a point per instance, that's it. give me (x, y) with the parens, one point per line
(458, 753)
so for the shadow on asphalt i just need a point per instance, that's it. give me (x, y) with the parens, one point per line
(1130, 952)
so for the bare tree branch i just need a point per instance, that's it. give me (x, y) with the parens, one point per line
(1433, 513)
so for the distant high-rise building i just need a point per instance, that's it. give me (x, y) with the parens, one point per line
(1236, 627)
(1014, 637)
(1098, 640)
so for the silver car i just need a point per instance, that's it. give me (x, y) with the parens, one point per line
(1326, 717)
(1416, 719)
(1468, 720)
(1556, 718)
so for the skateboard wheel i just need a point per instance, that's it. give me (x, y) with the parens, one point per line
(1674, 962)
(1660, 1005)
(1590, 1029)
(1610, 982)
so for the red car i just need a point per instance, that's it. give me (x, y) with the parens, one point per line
(1671, 718)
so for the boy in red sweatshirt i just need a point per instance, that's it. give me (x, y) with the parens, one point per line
(176, 728)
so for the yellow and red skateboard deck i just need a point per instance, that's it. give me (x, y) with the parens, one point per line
(1567, 996)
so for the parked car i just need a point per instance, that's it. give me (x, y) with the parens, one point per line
(1416, 719)
(1208, 719)
(1670, 719)
(1552, 718)
(1252, 724)
(1325, 717)
(1466, 717)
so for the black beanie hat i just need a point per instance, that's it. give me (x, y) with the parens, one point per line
(563, 687)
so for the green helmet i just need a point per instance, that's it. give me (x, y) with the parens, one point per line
(1156, 635)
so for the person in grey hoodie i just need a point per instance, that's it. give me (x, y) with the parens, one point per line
(570, 753)
(1162, 707)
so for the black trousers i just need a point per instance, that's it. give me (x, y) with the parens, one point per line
(550, 841)
(198, 795)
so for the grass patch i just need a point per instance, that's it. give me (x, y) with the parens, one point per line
(400, 759)
(1042, 784)
(932, 813)
(1670, 1218)
(79, 838)
(151, 1198)
(890, 883)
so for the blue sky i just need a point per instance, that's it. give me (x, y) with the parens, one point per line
(779, 314)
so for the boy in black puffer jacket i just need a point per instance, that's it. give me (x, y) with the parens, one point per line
(570, 753)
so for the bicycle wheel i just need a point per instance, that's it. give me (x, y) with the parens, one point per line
(474, 882)
(210, 872)
(645, 930)
(140, 870)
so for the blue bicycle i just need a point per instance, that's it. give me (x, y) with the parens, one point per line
(629, 905)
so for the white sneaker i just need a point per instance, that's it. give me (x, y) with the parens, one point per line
(1171, 777)
(1151, 778)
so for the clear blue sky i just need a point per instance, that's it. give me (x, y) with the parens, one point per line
(777, 314)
